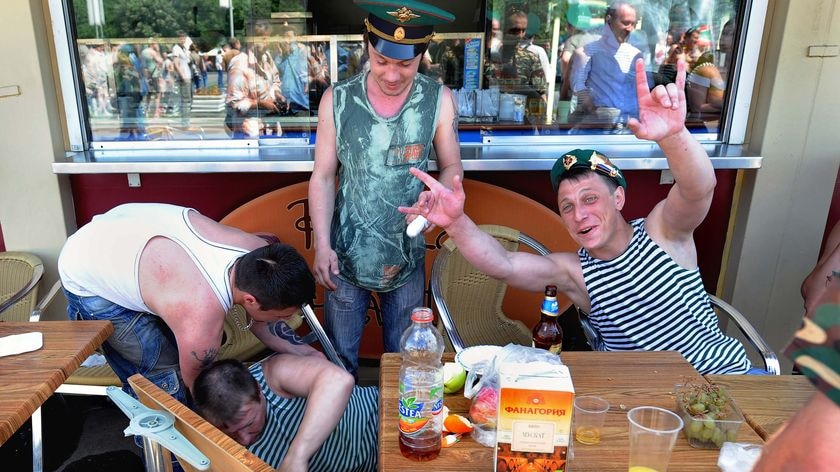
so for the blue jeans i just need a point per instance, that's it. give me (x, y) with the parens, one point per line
(345, 310)
(141, 343)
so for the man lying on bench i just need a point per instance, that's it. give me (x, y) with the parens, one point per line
(295, 413)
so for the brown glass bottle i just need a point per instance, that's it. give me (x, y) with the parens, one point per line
(547, 333)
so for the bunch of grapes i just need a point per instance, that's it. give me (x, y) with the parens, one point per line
(702, 406)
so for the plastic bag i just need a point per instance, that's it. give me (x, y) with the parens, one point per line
(485, 393)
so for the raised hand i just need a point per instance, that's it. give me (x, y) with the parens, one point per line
(439, 205)
(661, 110)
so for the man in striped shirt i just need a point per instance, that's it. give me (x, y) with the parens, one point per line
(295, 414)
(639, 281)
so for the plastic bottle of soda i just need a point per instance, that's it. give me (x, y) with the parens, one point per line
(547, 333)
(421, 388)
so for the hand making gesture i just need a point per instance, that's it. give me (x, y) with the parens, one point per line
(439, 205)
(661, 110)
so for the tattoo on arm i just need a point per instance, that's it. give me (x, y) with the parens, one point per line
(208, 357)
(455, 118)
(282, 331)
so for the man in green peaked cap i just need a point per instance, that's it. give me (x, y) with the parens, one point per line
(372, 128)
(638, 280)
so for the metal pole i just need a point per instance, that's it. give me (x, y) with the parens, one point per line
(155, 456)
(231, 18)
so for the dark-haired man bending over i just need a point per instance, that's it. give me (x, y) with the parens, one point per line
(165, 276)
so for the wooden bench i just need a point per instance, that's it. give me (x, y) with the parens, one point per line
(225, 454)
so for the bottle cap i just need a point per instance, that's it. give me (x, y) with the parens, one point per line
(422, 315)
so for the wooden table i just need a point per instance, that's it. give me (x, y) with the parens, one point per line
(766, 401)
(28, 379)
(625, 379)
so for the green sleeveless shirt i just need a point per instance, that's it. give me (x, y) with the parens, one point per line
(374, 154)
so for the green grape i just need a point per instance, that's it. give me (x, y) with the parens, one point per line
(717, 437)
(709, 423)
(732, 435)
(707, 434)
(697, 408)
(695, 426)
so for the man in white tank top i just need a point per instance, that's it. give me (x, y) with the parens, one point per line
(165, 276)
(590, 195)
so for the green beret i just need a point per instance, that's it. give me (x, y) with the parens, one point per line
(401, 30)
(588, 159)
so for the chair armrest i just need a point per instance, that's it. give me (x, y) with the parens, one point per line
(315, 326)
(45, 302)
(37, 273)
(771, 362)
(440, 301)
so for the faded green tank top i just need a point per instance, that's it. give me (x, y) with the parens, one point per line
(374, 154)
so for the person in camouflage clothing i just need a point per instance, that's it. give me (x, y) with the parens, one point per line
(372, 128)
(809, 440)
(516, 70)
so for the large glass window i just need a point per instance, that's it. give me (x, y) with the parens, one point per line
(197, 70)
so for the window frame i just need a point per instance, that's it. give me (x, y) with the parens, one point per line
(727, 143)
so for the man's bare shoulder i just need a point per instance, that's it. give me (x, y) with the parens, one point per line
(217, 232)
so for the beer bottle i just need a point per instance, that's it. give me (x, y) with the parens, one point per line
(547, 333)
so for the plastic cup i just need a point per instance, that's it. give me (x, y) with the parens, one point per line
(590, 412)
(653, 432)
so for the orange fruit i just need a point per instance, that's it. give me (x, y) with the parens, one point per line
(457, 424)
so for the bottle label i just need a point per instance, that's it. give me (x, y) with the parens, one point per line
(549, 306)
(413, 418)
(554, 348)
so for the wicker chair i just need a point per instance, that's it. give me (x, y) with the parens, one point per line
(20, 275)
(469, 302)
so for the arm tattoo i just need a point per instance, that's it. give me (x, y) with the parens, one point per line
(282, 331)
(456, 118)
(208, 357)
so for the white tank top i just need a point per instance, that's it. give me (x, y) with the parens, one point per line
(103, 257)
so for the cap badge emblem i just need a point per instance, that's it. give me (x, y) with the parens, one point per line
(403, 15)
(399, 33)
(569, 160)
(595, 159)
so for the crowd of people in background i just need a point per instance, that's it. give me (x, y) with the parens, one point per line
(159, 79)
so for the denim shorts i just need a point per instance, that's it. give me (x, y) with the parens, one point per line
(142, 343)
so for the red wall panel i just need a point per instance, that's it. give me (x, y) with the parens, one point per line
(216, 195)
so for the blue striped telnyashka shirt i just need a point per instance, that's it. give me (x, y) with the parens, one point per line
(352, 446)
(644, 300)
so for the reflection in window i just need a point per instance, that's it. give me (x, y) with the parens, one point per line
(201, 70)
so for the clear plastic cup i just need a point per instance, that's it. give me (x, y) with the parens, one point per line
(590, 412)
(653, 432)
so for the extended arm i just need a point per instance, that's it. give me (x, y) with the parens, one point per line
(662, 119)
(445, 208)
(326, 388)
(322, 193)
